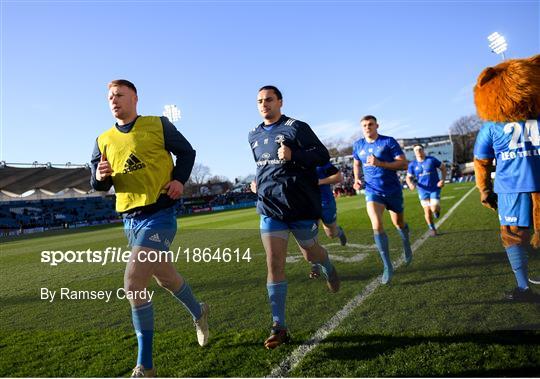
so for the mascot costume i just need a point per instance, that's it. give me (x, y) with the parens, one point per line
(507, 99)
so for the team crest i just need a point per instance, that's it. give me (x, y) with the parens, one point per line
(280, 139)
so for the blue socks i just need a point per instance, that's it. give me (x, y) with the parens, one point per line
(277, 293)
(381, 240)
(517, 255)
(143, 322)
(187, 298)
(404, 234)
(327, 266)
(432, 226)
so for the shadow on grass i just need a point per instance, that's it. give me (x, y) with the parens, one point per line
(366, 347)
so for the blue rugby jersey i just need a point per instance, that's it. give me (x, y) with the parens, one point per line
(425, 173)
(378, 180)
(288, 191)
(516, 147)
(326, 189)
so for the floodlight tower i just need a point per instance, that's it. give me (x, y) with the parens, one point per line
(497, 44)
(172, 112)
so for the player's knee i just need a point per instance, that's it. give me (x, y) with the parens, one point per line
(514, 235)
(131, 285)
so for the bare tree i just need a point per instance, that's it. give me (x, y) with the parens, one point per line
(463, 133)
(199, 174)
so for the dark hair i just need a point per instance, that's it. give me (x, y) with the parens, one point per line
(418, 144)
(368, 117)
(122, 82)
(273, 88)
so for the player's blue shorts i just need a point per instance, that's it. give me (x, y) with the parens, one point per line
(424, 194)
(155, 231)
(329, 212)
(515, 209)
(305, 231)
(393, 202)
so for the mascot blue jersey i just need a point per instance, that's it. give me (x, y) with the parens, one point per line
(516, 146)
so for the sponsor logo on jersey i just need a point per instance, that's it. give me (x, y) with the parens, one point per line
(132, 164)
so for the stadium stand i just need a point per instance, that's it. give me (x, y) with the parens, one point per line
(35, 199)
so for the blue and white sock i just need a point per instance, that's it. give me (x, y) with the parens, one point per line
(186, 297)
(381, 240)
(143, 322)
(431, 226)
(326, 266)
(517, 255)
(277, 294)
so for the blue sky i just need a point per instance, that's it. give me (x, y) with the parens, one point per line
(410, 63)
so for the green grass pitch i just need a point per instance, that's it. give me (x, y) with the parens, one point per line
(441, 316)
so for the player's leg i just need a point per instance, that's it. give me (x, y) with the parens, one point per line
(305, 233)
(397, 214)
(514, 213)
(136, 278)
(435, 202)
(168, 278)
(274, 236)
(329, 219)
(375, 208)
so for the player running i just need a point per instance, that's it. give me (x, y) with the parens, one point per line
(328, 174)
(423, 171)
(134, 155)
(287, 153)
(380, 157)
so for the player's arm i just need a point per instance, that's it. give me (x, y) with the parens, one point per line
(399, 163)
(179, 146)
(332, 179)
(410, 182)
(100, 168)
(357, 170)
(310, 152)
(442, 168)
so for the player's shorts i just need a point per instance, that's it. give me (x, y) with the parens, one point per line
(428, 198)
(393, 202)
(515, 209)
(329, 212)
(155, 231)
(305, 231)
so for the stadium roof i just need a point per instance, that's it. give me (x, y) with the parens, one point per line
(16, 180)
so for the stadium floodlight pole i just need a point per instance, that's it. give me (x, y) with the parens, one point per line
(497, 44)
(172, 112)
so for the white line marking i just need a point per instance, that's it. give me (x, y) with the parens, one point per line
(289, 363)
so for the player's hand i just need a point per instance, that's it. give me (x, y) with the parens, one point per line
(412, 187)
(253, 186)
(357, 185)
(104, 169)
(175, 189)
(284, 152)
(372, 161)
(489, 200)
(440, 184)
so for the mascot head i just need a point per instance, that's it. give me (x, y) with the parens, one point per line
(509, 91)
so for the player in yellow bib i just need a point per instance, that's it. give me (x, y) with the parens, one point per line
(134, 156)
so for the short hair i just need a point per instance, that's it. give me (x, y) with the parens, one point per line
(418, 144)
(122, 82)
(273, 88)
(368, 117)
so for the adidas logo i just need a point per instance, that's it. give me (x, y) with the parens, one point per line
(155, 238)
(133, 163)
